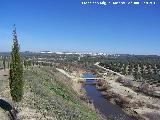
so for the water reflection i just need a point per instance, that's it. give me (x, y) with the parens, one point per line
(105, 107)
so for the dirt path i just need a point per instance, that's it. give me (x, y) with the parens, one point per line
(3, 115)
(108, 70)
(4, 74)
(75, 82)
(64, 72)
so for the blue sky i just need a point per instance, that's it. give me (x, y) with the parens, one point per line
(67, 25)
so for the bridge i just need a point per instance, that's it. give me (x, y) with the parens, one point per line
(79, 78)
(89, 78)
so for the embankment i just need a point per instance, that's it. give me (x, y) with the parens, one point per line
(48, 95)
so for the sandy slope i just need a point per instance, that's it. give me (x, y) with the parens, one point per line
(75, 85)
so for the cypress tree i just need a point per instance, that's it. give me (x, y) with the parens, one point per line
(4, 62)
(8, 65)
(16, 71)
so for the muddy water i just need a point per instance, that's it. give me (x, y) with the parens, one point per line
(105, 107)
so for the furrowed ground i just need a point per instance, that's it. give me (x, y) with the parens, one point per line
(48, 95)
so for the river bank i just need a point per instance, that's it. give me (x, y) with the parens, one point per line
(78, 86)
(134, 103)
(116, 110)
(110, 110)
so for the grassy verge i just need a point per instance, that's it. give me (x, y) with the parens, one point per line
(50, 93)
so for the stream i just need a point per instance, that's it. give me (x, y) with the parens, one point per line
(108, 109)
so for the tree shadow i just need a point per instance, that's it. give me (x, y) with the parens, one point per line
(7, 107)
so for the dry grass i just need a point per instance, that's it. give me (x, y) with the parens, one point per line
(48, 95)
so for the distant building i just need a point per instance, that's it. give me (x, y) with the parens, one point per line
(46, 52)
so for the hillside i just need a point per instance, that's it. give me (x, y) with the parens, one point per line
(48, 96)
